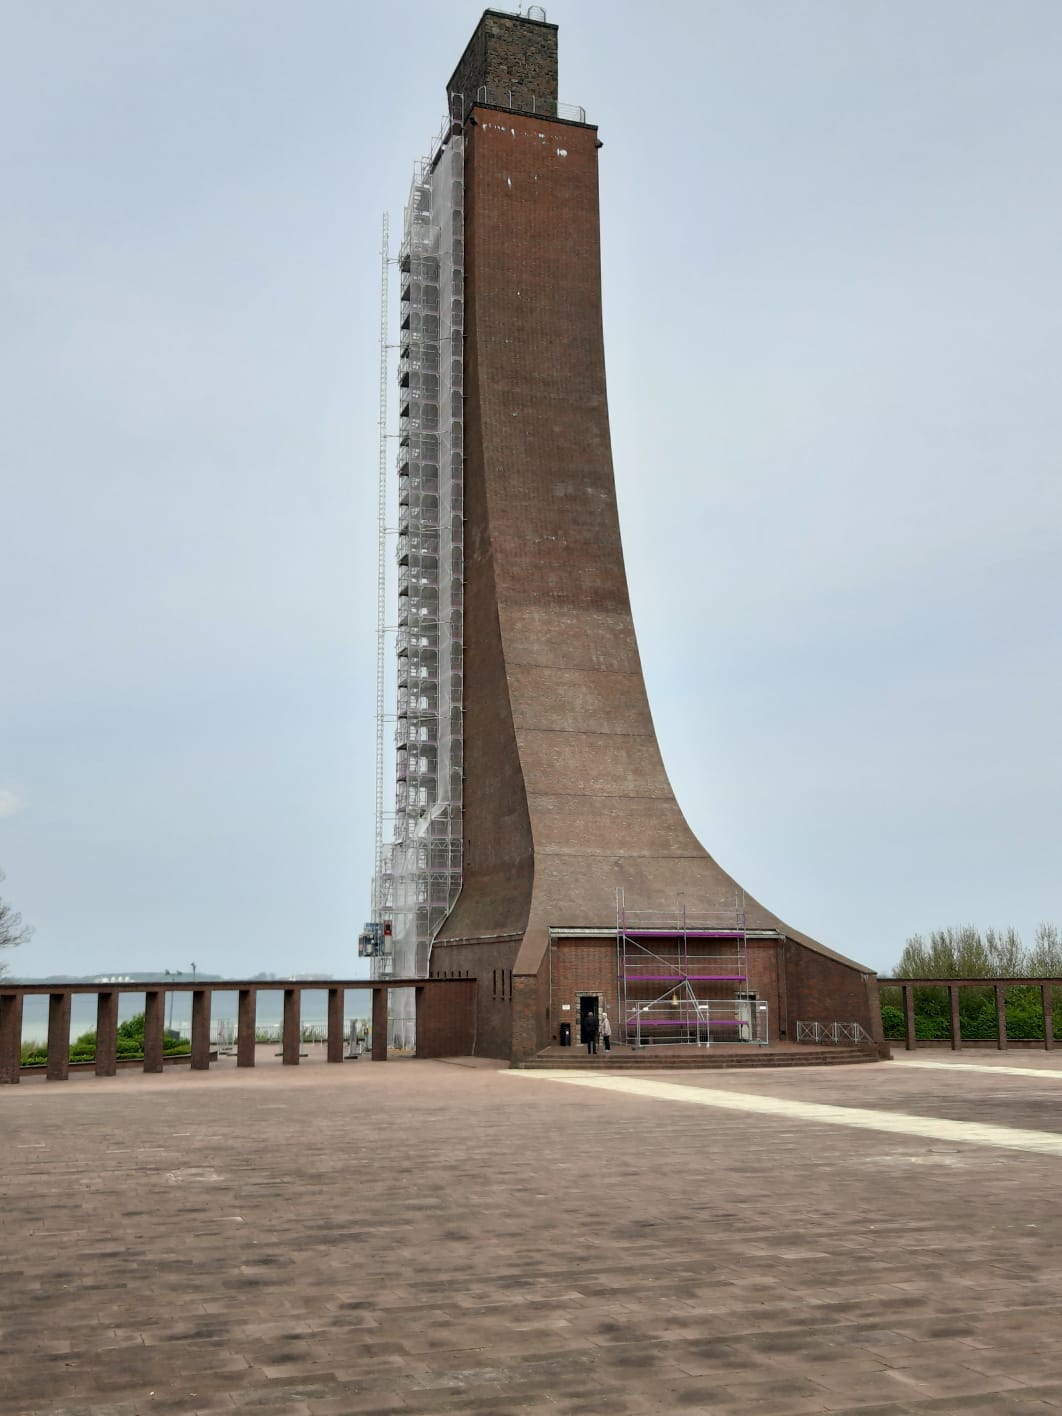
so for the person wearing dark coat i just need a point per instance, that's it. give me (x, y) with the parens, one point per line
(588, 1032)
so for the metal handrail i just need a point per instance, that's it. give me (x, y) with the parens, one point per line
(539, 107)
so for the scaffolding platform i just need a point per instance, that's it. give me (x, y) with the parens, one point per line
(683, 980)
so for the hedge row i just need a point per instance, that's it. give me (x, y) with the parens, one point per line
(977, 1014)
(130, 1044)
(35, 1054)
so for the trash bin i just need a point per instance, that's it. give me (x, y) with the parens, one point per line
(565, 1034)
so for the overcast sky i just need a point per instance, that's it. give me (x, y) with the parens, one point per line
(833, 321)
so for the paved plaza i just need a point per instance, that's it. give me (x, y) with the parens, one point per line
(435, 1237)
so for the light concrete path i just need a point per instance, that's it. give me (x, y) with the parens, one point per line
(933, 1128)
(1045, 1069)
(427, 1237)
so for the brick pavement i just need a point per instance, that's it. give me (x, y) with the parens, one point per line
(430, 1237)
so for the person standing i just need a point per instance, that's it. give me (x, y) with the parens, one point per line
(606, 1031)
(588, 1031)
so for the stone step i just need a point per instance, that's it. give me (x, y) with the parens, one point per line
(660, 1058)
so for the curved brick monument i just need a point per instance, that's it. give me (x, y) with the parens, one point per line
(568, 814)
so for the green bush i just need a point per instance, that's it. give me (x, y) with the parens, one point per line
(83, 1049)
(932, 1028)
(892, 1023)
(933, 1003)
(132, 1029)
(926, 1028)
(978, 1023)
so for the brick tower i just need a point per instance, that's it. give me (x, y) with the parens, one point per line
(544, 851)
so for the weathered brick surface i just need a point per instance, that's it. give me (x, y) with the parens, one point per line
(491, 962)
(10, 1035)
(426, 1238)
(446, 1019)
(821, 990)
(566, 798)
(509, 54)
(581, 966)
(590, 966)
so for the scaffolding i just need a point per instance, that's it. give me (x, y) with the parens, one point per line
(381, 567)
(684, 979)
(419, 870)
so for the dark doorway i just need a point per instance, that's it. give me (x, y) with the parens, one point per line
(587, 1004)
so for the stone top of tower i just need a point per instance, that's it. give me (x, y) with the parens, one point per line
(513, 58)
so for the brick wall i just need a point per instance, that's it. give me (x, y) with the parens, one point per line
(530, 1019)
(581, 966)
(446, 1018)
(509, 53)
(763, 980)
(824, 990)
(490, 964)
(590, 966)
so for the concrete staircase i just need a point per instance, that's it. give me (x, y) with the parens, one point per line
(719, 1056)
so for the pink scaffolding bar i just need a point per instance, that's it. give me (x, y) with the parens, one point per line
(704, 1022)
(634, 977)
(636, 933)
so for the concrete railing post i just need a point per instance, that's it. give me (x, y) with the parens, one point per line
(246, 1017)
(58, 1037)
(379, 1025)
(335, 1025)
(1049, 1018)
(292, 1035)
(154, 1017)
(200, 1029)
(1001, 1017)
(106, 1033)
(423, 1047)
(10, 1037)
(908, 1017)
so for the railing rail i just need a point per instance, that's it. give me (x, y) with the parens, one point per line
(1047, 985)
(832, 1032)
(203, 1033)
(517, 101)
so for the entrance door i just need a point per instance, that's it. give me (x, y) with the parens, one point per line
(588, 1003)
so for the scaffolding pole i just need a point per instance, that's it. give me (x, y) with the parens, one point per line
(419, 867)
(381, 569)
(679, 976)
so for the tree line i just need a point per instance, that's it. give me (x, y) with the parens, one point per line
(966, 952)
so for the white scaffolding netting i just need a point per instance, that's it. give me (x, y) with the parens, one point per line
(420, 870)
